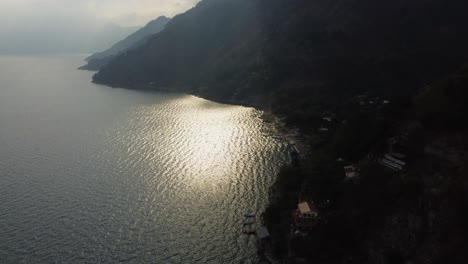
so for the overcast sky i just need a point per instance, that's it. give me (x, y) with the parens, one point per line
(23, 21)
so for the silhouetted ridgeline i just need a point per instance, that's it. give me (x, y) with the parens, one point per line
(279, 51)
(138, 38)
(389, 74)
(210, 45)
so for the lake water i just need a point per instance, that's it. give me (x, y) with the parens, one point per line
(91, 174)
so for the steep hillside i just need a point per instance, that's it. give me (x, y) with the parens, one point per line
(268, 51)
(138, 38)
(212, 46)
(361, 79)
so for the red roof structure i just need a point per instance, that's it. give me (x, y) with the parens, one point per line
(351, 171)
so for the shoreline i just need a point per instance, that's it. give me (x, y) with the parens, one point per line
(290, 136)
(351, 210)
(216, 99)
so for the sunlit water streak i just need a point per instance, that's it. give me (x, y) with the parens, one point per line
(94, 174)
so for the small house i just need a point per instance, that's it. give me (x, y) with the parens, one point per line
(351, 171)
(308, 209)
(305, 215)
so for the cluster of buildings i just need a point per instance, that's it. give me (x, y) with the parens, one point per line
(364, 100)
(306, 214)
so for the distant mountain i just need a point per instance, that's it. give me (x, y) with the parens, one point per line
(211, 43)
(76, 38)
(97, 60)
(106, 36)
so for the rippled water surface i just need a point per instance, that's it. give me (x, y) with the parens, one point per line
(94, 174)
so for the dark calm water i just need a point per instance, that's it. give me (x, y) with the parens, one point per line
(90, 174)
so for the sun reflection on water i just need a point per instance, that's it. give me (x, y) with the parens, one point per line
(204, 141)
(201, 164)
(130, 176)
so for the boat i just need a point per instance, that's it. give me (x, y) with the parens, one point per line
(249, 215)
(247, 223)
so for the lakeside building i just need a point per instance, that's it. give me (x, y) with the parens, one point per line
(391, 161)
(351, 171)
(305, 215)
(262, 233)
(263, 239)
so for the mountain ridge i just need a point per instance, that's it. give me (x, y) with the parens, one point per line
(134, 40)
(360, 79)
(236, 50)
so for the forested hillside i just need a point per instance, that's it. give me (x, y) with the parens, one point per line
(275, 52)
(360, 79)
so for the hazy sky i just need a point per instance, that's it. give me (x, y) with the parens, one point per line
(23, 21)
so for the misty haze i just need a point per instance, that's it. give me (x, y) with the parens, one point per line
(233, 131)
